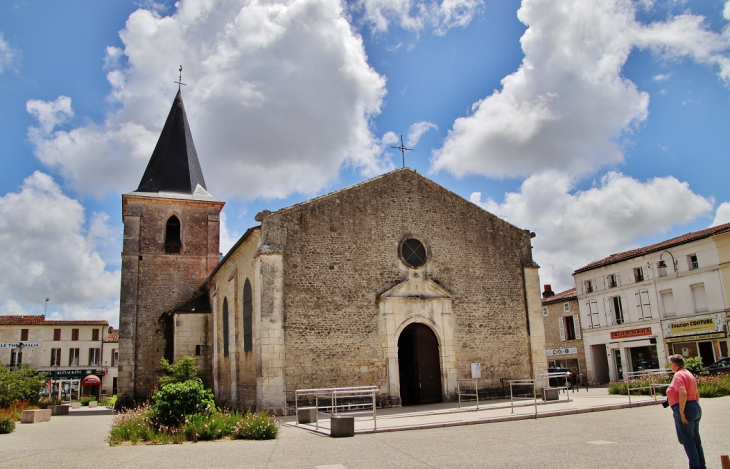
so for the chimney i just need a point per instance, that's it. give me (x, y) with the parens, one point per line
(548, 292)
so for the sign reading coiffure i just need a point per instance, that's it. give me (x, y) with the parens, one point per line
(707, 324)
(626, 333)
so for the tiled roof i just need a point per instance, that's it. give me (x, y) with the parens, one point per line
(40, 320)
(626, 255)
(562, 296)
(113, 335)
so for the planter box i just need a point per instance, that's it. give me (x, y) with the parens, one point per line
(35, 416)
(549, 394)
(61, 409)
(92, 404)
(307, 415)
(75, 405)
(342, 426)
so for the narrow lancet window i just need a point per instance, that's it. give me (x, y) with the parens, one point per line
(172, 236)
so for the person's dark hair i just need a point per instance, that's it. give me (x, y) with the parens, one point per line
(677, 360)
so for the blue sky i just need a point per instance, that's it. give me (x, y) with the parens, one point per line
(601, 127)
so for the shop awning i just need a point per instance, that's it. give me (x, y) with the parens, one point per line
(90, 380)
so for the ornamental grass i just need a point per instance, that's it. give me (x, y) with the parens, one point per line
(707, 385)
(139, 426)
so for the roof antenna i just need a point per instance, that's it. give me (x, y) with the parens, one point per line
(403, 150)
(179, 80)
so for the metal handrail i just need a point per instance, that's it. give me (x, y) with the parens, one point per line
(333, 394)
(476, 389)
(522, 382)
(654, 372)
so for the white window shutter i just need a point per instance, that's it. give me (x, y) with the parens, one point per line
(645, 304)
(561, 327)
(576, 325)
(638, 306)
(618, 279)
(608, 310)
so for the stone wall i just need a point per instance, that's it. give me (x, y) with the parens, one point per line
(235, 376)
(154, 282)
(191, 337)
(341, 252)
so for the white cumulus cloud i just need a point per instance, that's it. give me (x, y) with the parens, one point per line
(568, 105)
(722, 215)
(415, 15)
(49, 250)
(279, 97)
(7, 54)
(576, 227)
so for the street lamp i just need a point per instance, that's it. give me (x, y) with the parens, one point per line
(662, 266)
(45, 310)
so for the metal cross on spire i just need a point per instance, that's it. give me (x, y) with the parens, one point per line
(403, 150)
(179, 80)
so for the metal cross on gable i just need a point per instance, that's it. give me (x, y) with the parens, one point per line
(403, 150)
(179, 80)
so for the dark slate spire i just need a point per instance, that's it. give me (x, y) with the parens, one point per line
(174, 166)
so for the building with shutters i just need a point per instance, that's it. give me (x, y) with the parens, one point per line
(563, 336)
(640, 306)
(70, 353)
(395, 282)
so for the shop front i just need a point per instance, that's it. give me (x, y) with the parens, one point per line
(71, 385)
(567, 357)
(703, 336)
(634, 349)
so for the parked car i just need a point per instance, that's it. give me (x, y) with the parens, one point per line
(720, 366)
(570, 380)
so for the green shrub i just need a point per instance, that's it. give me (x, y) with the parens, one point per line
(174, 401)
(694, 365)
(86, 399)
(7, 424)
(23, 384)
(182, 370)
(260, 426)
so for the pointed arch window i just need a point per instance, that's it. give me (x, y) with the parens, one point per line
(172, 236)
(225, 327)
(247, 317)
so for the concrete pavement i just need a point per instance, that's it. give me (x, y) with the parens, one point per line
(630, 437)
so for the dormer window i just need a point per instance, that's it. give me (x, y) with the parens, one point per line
(172, 236)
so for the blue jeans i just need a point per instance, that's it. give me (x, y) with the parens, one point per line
(689, 434)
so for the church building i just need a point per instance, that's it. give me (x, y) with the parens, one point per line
(395, 282)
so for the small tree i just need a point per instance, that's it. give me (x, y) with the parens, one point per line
(694, 365)
(183, 370)
(23, 384)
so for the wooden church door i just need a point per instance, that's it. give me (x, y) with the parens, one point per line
(419, 365)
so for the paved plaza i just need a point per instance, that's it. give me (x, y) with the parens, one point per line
(585, 435)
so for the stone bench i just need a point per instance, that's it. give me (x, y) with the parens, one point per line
(61, 409)
(75, 405)
(92, 404)
(35, 416)
(342, 426)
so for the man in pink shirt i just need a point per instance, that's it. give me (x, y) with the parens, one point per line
(684, 399)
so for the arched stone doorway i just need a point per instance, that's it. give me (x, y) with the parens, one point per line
(419, 365)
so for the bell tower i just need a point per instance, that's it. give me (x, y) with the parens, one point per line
(171, 245)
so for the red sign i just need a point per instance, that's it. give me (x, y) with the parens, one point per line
(631, 333)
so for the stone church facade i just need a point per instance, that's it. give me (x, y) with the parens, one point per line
(394, 282)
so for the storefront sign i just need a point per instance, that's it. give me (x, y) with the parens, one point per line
(69, 374)
(711, 323)
(562, 351)
(639, 331)
(692, 338)
(17, 345)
